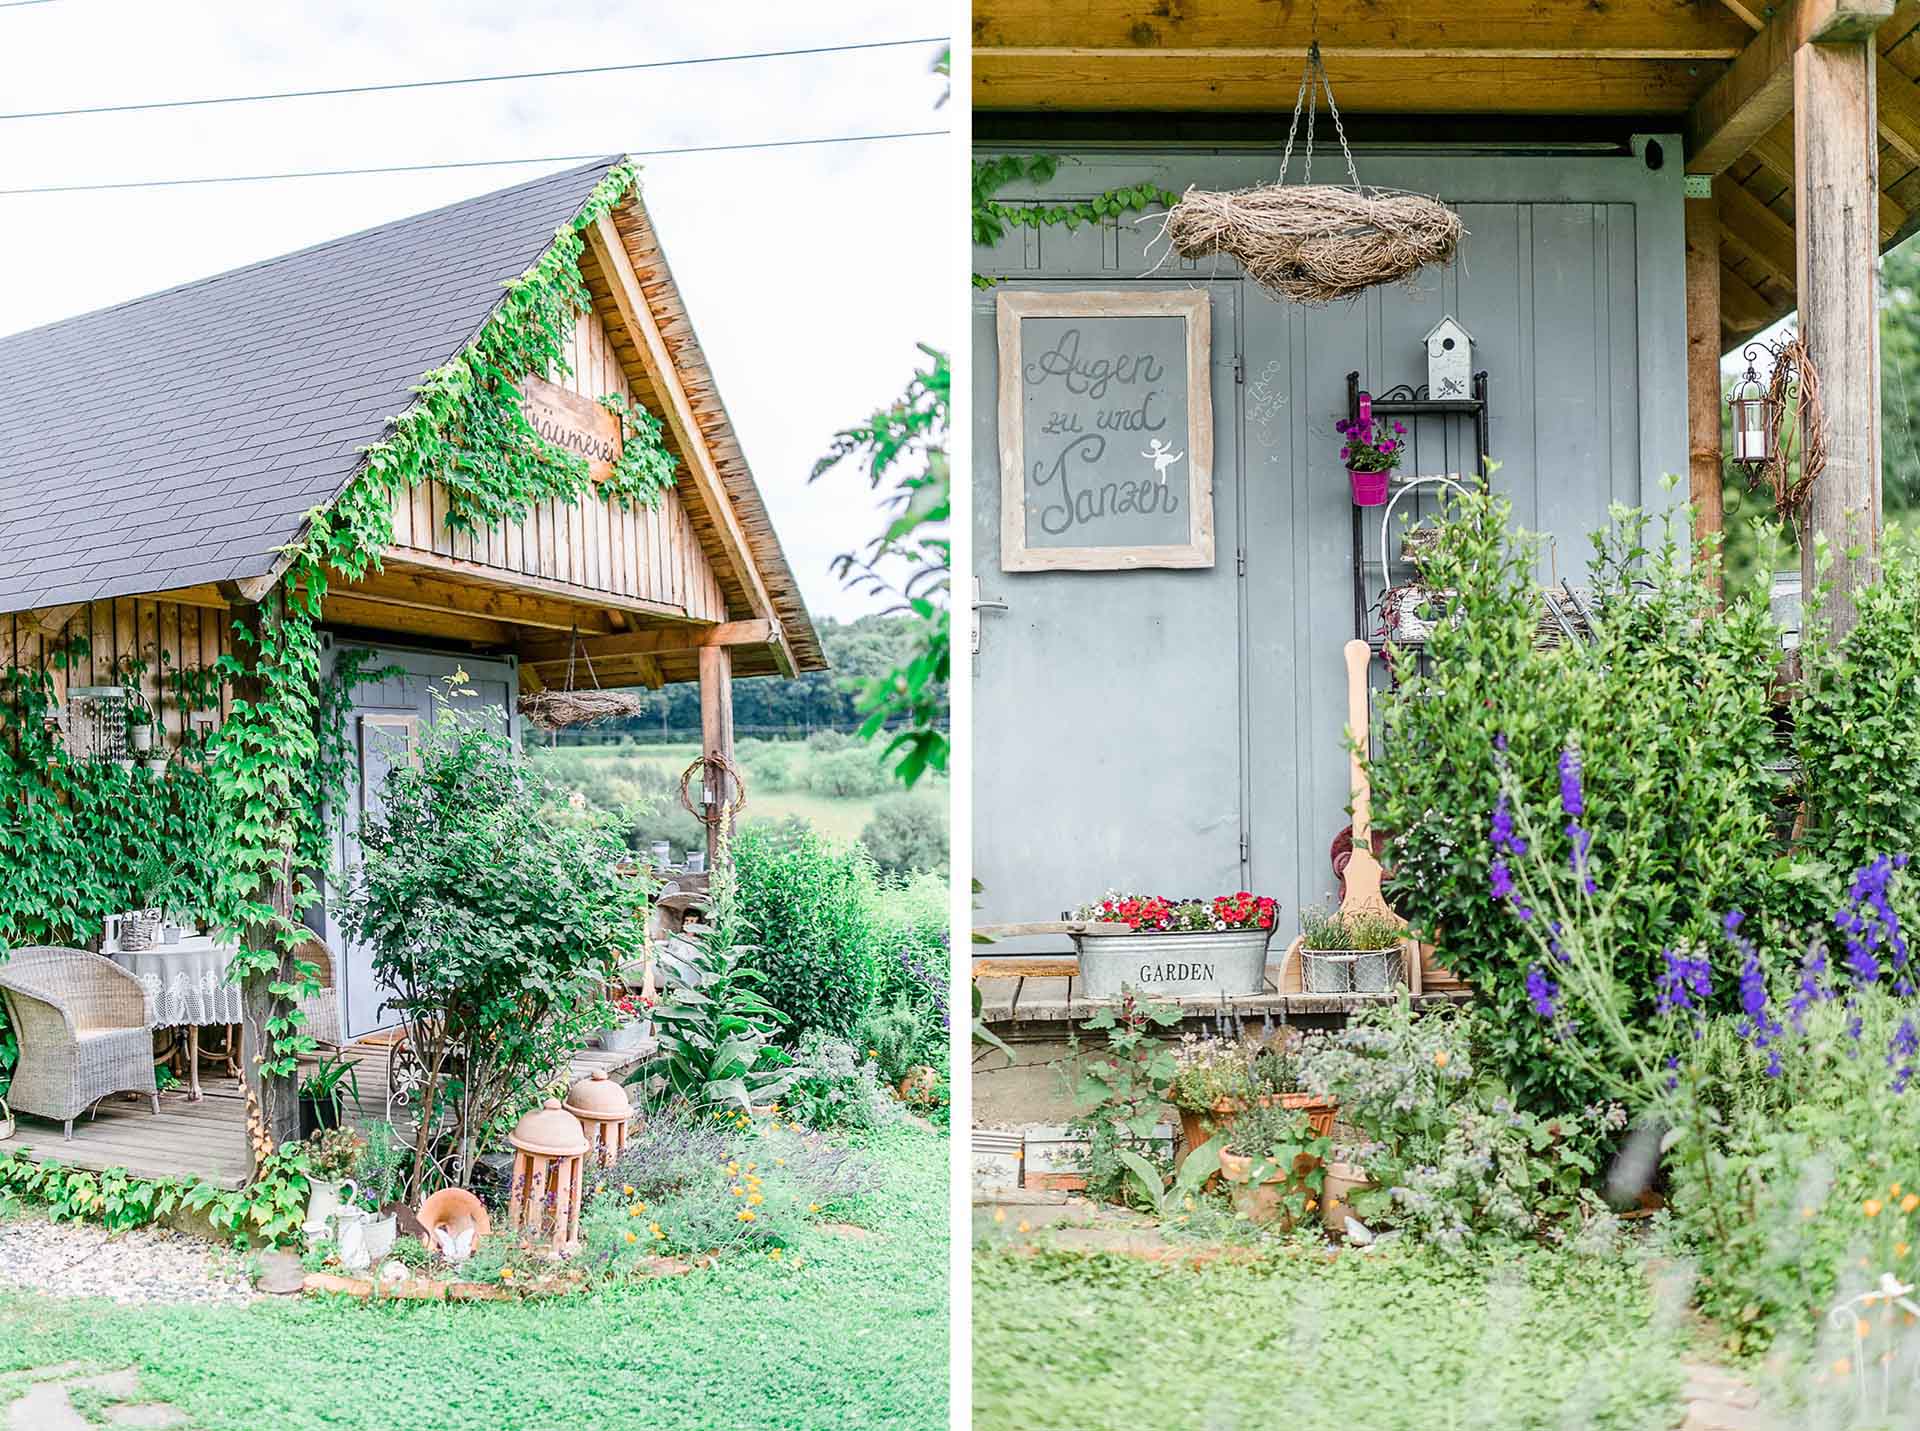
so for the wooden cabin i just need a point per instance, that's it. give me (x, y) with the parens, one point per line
(157, 457)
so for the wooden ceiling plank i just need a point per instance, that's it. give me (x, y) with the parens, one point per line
(759, 631)
(421, 591)
(1765, 237)
(1674, 29)
(1899, 111)
(345, 610)
(1756, 92)
(1775, 151)
(1744, 307)
(1379, 83)
(480, 575)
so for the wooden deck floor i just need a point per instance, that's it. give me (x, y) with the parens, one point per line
(208, 1139)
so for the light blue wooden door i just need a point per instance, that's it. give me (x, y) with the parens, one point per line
(1106, 703)
(385, 719)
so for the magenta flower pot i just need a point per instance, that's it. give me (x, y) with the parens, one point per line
(1369, 488)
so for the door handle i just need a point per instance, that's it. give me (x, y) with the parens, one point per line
(981, 603)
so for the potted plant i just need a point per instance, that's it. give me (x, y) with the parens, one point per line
(1350, 952)
(1373, 450)
(1274, 1163)
(321, 1092)
(635, 1012)
(1215, 1082)
(1209, 947)
(334, 1153)
(139, 724)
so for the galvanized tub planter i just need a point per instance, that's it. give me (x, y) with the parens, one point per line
(1349, 971)
(1198, 963)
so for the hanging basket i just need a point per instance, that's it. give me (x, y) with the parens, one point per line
(1312, 243)
(557, 710)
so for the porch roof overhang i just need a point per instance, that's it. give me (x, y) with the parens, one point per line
(1717, 71)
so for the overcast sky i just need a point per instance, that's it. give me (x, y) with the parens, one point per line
(810, 273)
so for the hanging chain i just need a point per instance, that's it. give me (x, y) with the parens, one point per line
(1313, 79)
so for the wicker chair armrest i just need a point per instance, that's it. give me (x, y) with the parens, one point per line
(113, 1000)
(47, 1008)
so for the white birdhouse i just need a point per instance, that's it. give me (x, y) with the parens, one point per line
(1449, 360)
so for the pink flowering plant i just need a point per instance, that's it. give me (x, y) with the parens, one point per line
(1371, 445)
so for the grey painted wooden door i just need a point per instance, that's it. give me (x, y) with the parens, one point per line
(1132, 725)
(1107, 703)
(385, 720)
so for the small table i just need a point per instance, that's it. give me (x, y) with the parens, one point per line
(187, 987)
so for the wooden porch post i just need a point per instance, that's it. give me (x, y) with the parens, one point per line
(1836, 216)
(716, 730)
(276, 1097)
(1703, 372)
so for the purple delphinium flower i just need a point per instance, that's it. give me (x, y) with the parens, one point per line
(1685, 984)
(1573, 799)
(1501, 879)
(1543, 993)
(1906, 1043)
(1505, 839)
(1673, 1071)
(1813, 986)
(1869, 926)
(1757, 1025)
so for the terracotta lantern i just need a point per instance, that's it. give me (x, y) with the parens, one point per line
(603, 1110)
(549, 1156)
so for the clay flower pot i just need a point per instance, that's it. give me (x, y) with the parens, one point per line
(1197, 1124)
(1262, 1203)
(1342, 1181)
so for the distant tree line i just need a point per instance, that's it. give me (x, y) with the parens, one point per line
(766, 705)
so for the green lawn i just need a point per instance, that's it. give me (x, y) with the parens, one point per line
(855, 1336)
(1381, 1342)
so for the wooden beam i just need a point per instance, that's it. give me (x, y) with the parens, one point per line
(1758, 230)
(716, 738)
(654, 643)
(1775, 151)
(51, 620)
(1757, 90)
(346, 610)
(1742, 307)
(492, 578)
(1898, 101)
(610, 252)
(1837, 161)
(1671, 29)
(1703, 369)
(1381, 83)
(422, 591)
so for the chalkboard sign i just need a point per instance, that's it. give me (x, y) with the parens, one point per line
(1106, 431)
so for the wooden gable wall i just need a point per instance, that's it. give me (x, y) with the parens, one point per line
(593, 546)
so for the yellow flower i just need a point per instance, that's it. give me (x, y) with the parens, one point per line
(1025, 1227)
(1440, 1059)
(633, 1237)
(1910, 1202)
(733, 1170)
(746, 1214)
(1900, 1249)
(752, 1166)
(1806, 1212)
(779, 1162)
(627, 1190)
(1861, 1329)
(737, 1190)
(873, 1053)
(506, 1274)
(1842, 1367)
(774, 1256)
(999, 1214)
(1871, 1207)
(754, 1199)
(654, 1228)
(813, 1207)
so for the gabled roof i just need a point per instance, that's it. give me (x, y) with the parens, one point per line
(182, 437)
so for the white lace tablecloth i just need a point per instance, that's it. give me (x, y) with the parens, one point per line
(186, 983)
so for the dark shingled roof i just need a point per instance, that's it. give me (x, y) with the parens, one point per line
(182, 437)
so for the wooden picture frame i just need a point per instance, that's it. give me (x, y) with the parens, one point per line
(1191, 306)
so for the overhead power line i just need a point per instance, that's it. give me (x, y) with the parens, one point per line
(468, 79)
(470, 164)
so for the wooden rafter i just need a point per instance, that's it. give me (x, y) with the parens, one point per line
(756, 632)
(1760, 234)
(1756, 92)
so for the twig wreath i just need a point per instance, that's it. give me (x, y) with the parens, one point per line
(1794, 383)
(1312, 243)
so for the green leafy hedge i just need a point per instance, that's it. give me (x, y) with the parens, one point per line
(808, 907)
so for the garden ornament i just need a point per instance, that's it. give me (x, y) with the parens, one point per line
(549, 1148)
(604, 1111)
(451, 1222)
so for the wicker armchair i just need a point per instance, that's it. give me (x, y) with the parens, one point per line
(82, 1025)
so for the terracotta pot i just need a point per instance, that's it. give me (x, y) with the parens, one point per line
(1343, 1180)
(1197, 1125)
(1261, 1202)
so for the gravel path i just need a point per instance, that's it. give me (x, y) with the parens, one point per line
(148, 1265)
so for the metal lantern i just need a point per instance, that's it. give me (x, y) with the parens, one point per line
(603, 1110)
(1756, 416)
(549, 1152)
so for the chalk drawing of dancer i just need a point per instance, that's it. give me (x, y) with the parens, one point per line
(1162, 455)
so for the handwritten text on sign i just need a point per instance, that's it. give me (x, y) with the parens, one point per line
(574, 424)
(1105, 431)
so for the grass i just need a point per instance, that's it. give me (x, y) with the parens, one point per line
(853, 1336)
(1383, 1341)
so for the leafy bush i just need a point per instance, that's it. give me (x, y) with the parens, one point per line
(808, 908)
(847, 774)
(907, 834)
(495, 924)
(837, 1085)
(773, 765)
(644, 798)
(1667, 706)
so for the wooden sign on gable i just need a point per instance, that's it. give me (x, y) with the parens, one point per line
(576, 424)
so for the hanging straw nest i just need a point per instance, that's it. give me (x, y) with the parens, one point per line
(1313, 243)
(557, 710)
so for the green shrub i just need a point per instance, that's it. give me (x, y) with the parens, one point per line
(838, 1085)
(908, 833)
(826, 742)
(847, 774)
(1668, 707)
(809, 910)
(773, 765)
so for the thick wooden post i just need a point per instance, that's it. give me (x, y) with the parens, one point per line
(276, 1097)
(1836, 214)
(1703, 373)
(716, 732)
